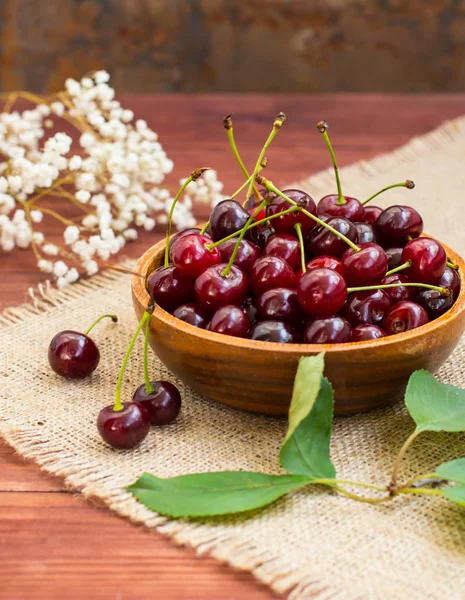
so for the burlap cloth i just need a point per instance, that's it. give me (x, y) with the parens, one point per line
(311, 543)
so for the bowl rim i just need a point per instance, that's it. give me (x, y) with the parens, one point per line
(145, 263)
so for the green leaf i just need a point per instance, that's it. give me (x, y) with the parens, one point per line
(305, 449)
(454, 470)
(210, 494)
(455, 494)
(435, 406)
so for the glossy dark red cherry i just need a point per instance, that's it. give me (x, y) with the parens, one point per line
(230, 320)
(226, 218)
(284, 246)
(404, 316)
(328, 262)
(271, 272)
(126, 428)
(365, 267)
(246, 255)
(163, 404)
(397, 224)
(327, 330)
(286, 223)
(279, 304)
(401, 292)
(73, 354)
(321, 292)
(365, 233)
(274, 331)
(435, 303)
(191, 256)
(428, 260)
(322, 241)
(371, 214)
(352, 209)
(450, 279)
(194, 314)
(394, 257)
(367, 307)
(180, 234)
(366, 332)
(168, 287)
(214, 290)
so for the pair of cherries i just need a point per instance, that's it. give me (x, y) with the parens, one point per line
(75, 355)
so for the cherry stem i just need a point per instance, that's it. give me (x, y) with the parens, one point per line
(400, 456)
(298, 229)
(227, 270)
(401, 267)
(118, 404)
(407, 184)
(322, 128)
(114, 318)
(452, 265)
(273, 188)
(277, 124)
(260, 222)
(148, 386)
(205, 227)
(192, 177)
(420, 492)
(442, 290)
(230, 133)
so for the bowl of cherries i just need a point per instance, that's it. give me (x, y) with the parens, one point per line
(278, 276)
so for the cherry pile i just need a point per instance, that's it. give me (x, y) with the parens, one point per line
(281, 268)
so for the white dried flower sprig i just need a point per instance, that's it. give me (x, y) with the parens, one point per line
(114, 180)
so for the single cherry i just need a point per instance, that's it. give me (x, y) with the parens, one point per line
(271, 272)
(226, 218)
(365, 233)
(180, 234)
(450, 279)
(284, 246)
(435, 303)
(397, 224)
(404, 316)
(351, 209)
(169, 288)
(125, 428)
(428, 260)
(194, 314)
(322, 241)
(327, 330)
(191, 256)
(394, 257)
(321, 292)
(163, 403)
(401, 292)
(365, 267)
(230, 320)
(280, 304)
(328, 262)
(274, 331)
(371, 214)
(213, 289)
(73, 354)
(369, 306)
(246, 255)
(286, 223)
(366, 332)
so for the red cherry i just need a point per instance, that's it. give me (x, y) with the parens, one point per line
(370, 306)
(286, 223)
(126, 428)
(451, 280)
(435, 303)
(371, 214)
(322, 241)
(327, 330)
(191, 257)
(163, 404)
(274, 331)
(284, 246)
(328, 262)
(271, 272)
(365, 332)
(365, 267)
(405, 316)
(365, 233)
(397, 223)
(279, 304)
(394, 257)
(168, 287)
(73, 354)
(226, 218)
(194, 314)
(398, 293)
(213, 289)
(246, 255)
(230, 320)
(321, 292)
(352, 209)
(428, 260)
(177, 236)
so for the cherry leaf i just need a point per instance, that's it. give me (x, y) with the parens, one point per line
(454, 470)
(455, 494)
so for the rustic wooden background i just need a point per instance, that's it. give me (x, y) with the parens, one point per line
(236, 45)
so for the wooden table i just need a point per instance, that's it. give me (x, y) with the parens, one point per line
(53, 544)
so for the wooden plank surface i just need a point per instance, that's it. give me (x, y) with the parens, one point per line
(53, 544)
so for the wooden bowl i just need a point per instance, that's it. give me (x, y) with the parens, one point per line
(258, 376)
